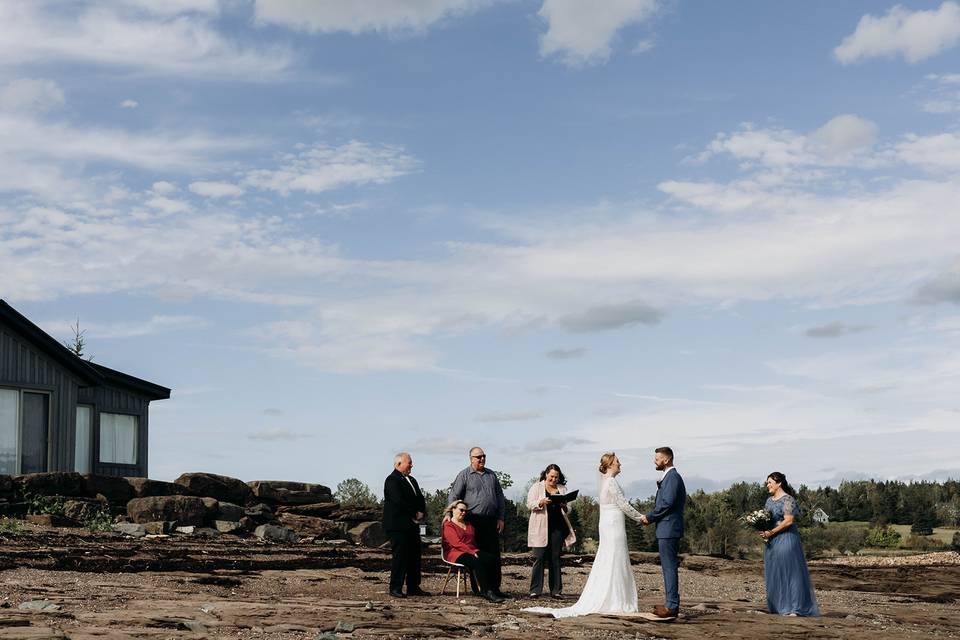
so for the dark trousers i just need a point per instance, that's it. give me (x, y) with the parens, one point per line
(670, 564)
(488, 539)
(405, 564)
(481, 566)
(549, 555)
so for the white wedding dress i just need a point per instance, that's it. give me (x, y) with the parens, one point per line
(610, 586)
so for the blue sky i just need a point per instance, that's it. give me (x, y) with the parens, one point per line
(548, 227)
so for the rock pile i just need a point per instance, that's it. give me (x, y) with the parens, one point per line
(194, 504)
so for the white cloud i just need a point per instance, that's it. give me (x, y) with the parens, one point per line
(153, 325)
(327, 16)
(118, 35)
(846, 134)
(31, 95)
(509, 416)
(322, 168)
(215, 189)
(581, 32)
(940, 152)
(915, 35)
(162, 187)
(129, 104)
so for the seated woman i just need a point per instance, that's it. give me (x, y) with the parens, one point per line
(459, 544)
(549, 530)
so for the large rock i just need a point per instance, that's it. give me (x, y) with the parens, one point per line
(8, 487)
(318, 510)
(59, 483)
(287, 493)
(116, 490)
(147, 488)
(83, 510)
(212, 485)
(130, 529)
(368, 534)
(230, 512)
(306, 525)
(184, 510)
(273, 533)
(357, 514)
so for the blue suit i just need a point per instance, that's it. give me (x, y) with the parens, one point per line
(668, 515)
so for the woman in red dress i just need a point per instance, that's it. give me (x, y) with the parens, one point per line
(459, 545)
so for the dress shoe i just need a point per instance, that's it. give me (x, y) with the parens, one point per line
(534, 594)
(500, 594)
(662, 612)
(417, 592)
(492, 597)
(396, 593)
(557, 596)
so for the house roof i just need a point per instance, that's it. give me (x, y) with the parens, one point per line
(89, 373)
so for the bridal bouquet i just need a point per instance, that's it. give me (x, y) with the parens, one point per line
(759, 520)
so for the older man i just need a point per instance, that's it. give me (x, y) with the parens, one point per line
(480, 488)
(403, 510)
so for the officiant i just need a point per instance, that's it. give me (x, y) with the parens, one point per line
(549, 530)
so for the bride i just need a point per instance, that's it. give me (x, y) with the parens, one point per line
(610, 586)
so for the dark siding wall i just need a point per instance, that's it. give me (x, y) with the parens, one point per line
(113, 400)
(22, 366)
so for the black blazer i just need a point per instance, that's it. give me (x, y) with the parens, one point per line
(401, 503)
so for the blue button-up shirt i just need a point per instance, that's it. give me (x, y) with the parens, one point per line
(481, 491)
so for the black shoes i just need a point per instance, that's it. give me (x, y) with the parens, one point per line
(500, 594)
(396, 593)
(417, 592)
(493, 597)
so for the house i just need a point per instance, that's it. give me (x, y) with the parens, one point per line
(820, 516)
(59, 412)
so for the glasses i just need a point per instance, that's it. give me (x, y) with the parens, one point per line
(483, 457)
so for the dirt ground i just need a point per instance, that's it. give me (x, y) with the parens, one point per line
(100, 586)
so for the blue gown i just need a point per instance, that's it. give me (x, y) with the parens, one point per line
(789, 589)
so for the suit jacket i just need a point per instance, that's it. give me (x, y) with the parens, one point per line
(401, 502)
(668, 508)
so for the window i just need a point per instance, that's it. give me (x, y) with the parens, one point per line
(118, 438)
(9, 423)
(81, 452)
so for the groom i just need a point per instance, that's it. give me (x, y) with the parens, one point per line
(668, 514)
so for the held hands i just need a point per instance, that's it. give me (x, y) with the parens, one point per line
(643, 519)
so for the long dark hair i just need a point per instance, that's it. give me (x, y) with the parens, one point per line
(552, 467)
(781, 479)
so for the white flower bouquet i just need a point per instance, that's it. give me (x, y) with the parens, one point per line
(759, 520)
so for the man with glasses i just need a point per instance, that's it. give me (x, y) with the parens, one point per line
(479, 487)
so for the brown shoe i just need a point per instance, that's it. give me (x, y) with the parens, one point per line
(662, 612)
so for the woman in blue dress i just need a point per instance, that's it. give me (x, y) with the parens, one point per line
(789, 590)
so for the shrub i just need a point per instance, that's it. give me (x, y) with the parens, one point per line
(883, 537)
(924, 543)
(816, 540)
(956, 541)
(100, 520)
(849, 539)
(43, 505)
(9, 527)
(354, 493)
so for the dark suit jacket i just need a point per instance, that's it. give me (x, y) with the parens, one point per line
(401, 503)
(668, 508)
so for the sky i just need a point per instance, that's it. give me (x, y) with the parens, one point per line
(550, 228)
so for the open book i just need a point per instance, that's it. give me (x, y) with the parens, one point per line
(560, 498)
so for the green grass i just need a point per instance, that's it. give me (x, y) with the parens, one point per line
(943, 534)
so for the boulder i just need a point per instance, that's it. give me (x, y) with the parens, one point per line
(227, 526)
(357, 514)
(13, 509)
(215, 486)
(289, 493)
(212, 505)
(230, 512)
(60, 483)
(318, 510)
(50, 520)
(185, 510)
(8, 487)
(147, 488)
(273, 533)
(158, 528)
(130, 529)
(82, 510)
(306, 525)
(248, 524)
(115, 489)
(368, 534)
(261, 513)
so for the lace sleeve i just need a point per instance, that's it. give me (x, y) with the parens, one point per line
(621, 500)
(790, 506)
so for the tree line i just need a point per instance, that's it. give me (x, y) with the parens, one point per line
(713, 525)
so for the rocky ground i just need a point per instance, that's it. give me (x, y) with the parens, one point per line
(62, 583)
